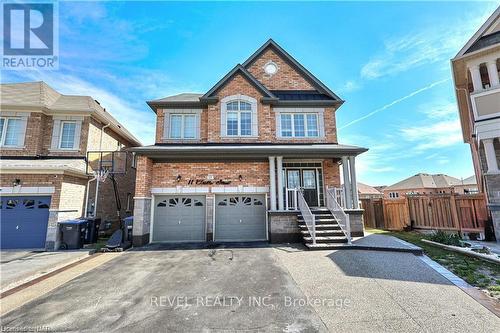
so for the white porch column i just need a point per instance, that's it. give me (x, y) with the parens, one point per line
(493, 73)
(354, 185)
(347, 183)
(491, 159)
(272, 182)
(476, 78)
(279, 166)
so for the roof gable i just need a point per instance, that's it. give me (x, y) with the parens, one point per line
(315, 82)
(238, 69)
(491, 26)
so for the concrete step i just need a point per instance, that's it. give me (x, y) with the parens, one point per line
(326, 239)
(319, 215)
(338, 233)
(331, 226)
(327, 246)
(321, 221)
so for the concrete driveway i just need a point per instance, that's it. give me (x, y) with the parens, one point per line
(281, 289)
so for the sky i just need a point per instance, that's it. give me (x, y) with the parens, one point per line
(390, 62)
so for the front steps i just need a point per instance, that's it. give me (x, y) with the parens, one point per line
(329, 235)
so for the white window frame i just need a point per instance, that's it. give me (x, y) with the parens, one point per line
(4, 131)
(168, 113)
(320, 122)
(74, 135)
(253, 116)
(183, 125)
(306, 129)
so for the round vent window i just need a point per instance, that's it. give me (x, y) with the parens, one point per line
(270, 68)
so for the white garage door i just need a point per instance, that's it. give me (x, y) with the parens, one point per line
(179, 218)
(240, 218)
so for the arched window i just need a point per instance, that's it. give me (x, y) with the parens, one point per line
(239, 116)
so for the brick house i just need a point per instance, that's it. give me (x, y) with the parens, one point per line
(45, 140)
(476, 72)
(252, 159)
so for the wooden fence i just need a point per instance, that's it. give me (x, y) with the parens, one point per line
(466, 213)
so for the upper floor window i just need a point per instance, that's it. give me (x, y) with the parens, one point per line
(299, 125)
(9, 131)
(67, 136)
(393, 195)
(239, 116)
(183, 126)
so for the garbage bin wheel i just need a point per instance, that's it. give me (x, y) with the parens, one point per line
(63, 246)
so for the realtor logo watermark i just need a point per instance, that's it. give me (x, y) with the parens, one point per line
(30, 35)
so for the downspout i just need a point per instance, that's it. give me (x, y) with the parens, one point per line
(97, 184)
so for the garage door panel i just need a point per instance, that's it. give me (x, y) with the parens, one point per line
(179, 218)
(24, 221)
(240, 218)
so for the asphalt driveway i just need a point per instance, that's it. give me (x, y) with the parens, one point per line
(261, 289)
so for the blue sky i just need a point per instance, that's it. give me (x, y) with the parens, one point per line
(388, 60)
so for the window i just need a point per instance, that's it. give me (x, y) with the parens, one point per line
(183, 126)
(393, 195)
(67, 136)
(9, 131)
(299, 125)
(129, 201)
(239, 118)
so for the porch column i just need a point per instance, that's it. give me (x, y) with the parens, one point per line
(476, 78)
(279, 166)
(491, 159)
(272, 182)
(355, 197)
(347, 183)
(493, 73)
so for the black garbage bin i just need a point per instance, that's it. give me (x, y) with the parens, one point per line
(72, 234)
(128, 223)
(93, 224)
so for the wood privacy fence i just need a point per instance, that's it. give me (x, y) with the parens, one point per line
(455, 212)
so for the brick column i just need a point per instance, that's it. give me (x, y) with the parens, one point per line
(142, 201)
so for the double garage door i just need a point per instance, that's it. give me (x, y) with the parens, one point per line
(183, 218)
(23, 221)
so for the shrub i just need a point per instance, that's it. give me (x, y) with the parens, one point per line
(446, 238)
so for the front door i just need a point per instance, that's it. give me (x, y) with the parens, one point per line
(304, 179)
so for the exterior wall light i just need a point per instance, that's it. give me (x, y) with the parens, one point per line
(179, 177)
(16, 182)
(240, 177)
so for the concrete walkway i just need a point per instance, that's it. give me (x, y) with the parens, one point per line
(387, 291)
(19, 266)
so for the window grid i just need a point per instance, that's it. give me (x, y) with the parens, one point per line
(9, 130)
(299, 125)
(183, 126)
(238, 118)
(67, 137)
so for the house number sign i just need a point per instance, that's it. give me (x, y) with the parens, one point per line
(208, 182)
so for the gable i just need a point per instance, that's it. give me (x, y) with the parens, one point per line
(286, 78)
(486, 36)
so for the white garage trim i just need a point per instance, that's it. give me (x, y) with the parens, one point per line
(179, 190)
(22, 190)
(152, 220)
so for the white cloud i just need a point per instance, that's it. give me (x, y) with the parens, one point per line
(432, 44)
(434, 136)
(349, 86)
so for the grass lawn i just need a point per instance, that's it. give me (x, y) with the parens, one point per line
(477, 272)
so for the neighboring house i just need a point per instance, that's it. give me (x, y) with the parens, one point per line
(45, 138)
(368, 192)
(424, 183)
(227, 164)
(476, 75)
(467, 186)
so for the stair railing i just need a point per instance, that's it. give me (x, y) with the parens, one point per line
(342, 218)
(307, 215)
(291, 198)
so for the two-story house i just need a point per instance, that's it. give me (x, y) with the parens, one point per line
(45, 140)
(476, 71)
(252, 159)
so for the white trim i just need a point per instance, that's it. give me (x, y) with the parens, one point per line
(35, 190)
(494, 90)
(179, 190)
(167, 113)
(20, 132)
(240, 190)
(320, 117)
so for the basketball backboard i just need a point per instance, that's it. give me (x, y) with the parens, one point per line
(114, 162)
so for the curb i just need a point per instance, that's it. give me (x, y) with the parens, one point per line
(416, 251)
(463, 251)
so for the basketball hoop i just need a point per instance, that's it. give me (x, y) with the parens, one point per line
(101, 175)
